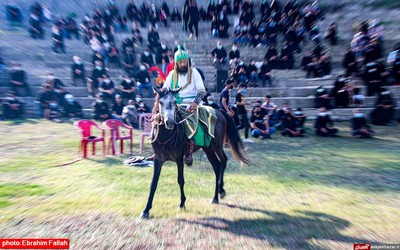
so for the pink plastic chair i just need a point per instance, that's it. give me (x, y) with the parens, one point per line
(113, 125)
(145, 126)
(85, 126)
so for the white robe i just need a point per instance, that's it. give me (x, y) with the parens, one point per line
(196, 85)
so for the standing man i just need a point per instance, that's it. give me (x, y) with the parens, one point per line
(242, 111)
(224, 101)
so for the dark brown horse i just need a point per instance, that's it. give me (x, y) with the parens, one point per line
(170, 143)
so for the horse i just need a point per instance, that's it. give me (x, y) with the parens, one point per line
(169, 142)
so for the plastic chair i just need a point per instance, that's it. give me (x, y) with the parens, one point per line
(113, 125)
(145, 126)
(85, 126)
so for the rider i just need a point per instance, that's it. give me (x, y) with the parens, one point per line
(192, 88)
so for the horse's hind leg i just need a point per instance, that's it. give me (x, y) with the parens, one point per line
(181, 181)
(223, 159)
(217, 170)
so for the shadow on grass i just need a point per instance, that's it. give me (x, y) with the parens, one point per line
(283, 230)
(21, 121)
(108, 161)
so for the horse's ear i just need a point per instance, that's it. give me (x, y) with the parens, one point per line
(158, 91)
(174, 91)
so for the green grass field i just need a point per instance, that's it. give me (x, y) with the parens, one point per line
(299, 193)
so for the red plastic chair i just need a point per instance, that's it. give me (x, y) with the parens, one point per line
(145, 126)
(85, 126)
(113, 125)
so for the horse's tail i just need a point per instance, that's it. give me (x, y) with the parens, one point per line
(234, 140)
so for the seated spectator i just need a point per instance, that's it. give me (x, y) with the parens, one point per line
(35, 27)
(325, 61)
(252, 73)
(49, 103)
(286, 59)
(300, 118)
(147, 59)
(162, 54)
(350, 63)
(384, 109)
(143, 81)
(214, 27)
(78, 71)
(72, 109)
(97, 77)
(265, 74)
(18, 81)
(58, 40)
(137, 37)
(113, 55)
(117, 108)
(234, 53)
(357, 98)
(141, 107)
(240, 35)
(331, 33)
(240, 73)
(129, 62)
(324, 124)
(130, 115)
(219, 54)
(210, 102)
(314, 68)
(322, 98)
(396, 68)
(359, 125)
(289, 125)
(260, 124)
(12, 107)
(153, 40)
(71, 28)
(176, 15)
(223, 25)
(101, 109)
(127, 88)
(107, 88)
(373, 76)
(13, 13)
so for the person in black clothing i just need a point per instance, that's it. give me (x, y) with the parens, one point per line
(71, 28)
(331, 33)
(374, 51)
(176, 15)
(210, 102)
(350, 63)
(359, 125)
(147, 59)
(300, 118)
(272, 57)
(127, 88)
(265, 73)
(154, 15)
(202, 13)
(384, 109)
(143, 81)
(18, 81)
(118, 107)
(113, 55)
(219, 54)
(234, 53)
(78, 71)
(223, 25)
(58, 40)
(322, 123)
(140, 106)
(289, 126)
(35, 26)
(101, 109)
(193, 22)
(314, 68)
(224, 102)
(107, 88)
(12, 107)
(48, 103)
(72, 109)
(252, 73)
(97, 77)
(162, 54)
(132, 11)
(322, 98)
(373, 75)
(129, 63)
(286, 57)
(153, 40)
(242, 111)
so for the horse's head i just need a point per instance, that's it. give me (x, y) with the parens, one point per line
(167, 106)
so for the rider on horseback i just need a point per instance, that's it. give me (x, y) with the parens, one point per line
(191, 92)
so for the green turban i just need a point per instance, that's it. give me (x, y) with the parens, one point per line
(181, 55)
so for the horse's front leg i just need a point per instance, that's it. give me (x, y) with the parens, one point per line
(181, 181)
(156, 175)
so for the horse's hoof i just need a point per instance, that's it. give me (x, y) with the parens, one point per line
(214, 201)
(144, 215)
(222, 195)
(182, 207)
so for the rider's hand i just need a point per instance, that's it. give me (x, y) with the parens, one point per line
(192, 107)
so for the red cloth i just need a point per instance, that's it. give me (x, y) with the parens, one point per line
(170, 67)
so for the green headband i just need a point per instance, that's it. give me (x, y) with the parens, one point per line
(181, 55)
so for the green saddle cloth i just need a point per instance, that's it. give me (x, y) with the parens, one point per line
(200, 126)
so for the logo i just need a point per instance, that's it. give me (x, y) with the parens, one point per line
(361, 247)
